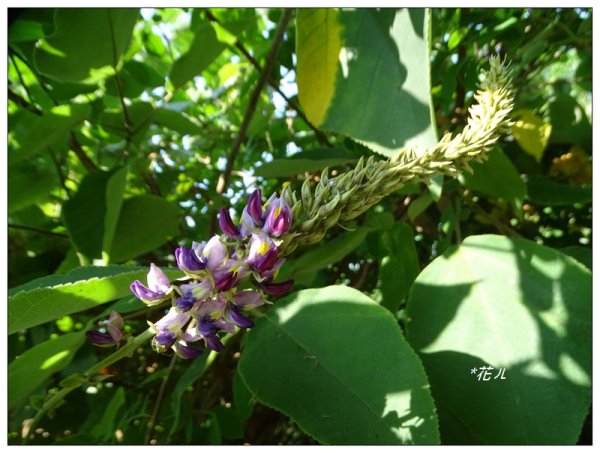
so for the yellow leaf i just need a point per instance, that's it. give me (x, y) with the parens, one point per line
(531, 133)
(318, 49)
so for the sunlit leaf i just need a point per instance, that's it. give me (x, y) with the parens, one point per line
(513, 304)
(314, 357)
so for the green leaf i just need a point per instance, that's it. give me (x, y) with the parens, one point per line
(31, 369)
(456, 37)
(417, 207)
(177, 122)
(203, 50)
(329, 253)
(546, 192)
(305, 161)
(531, 133)
(105, 428)
(135, 78)
(496, 176)
(27, 184)
(398, 270)
(513, 304)
(581, 254)
(55, 296)
(192, 373)
(85, 39)
(115, 188)
(146, 222)
(337, 364)
(91, 214)
(365, 73)
(32, 133)
(154, 44)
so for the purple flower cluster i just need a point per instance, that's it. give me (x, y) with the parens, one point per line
(215, 296)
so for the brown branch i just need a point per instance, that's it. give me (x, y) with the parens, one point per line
(80, 153)
(252, 104)
(159, 398)
(37, 230)
(318, 133)
(21, 102)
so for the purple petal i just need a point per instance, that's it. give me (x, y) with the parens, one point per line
(115, 320)
(158, 280)
(214, 252)
(277, 289)
(248, 299)
(165, 339)
(254, 207)
(213, 342)
(267, 261)
(186, 302)
(187, 260)
(238, 319)
(187, 350)
(145, 294)
(227, 225)
(100, 338)
(279, 219)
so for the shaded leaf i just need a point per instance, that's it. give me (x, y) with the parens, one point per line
(28, 371)
(513, 304)
(146, 222)
(32, 134)
(85, 39)
(203, 50)
(544, 191)
(313, 357)
(354, 77)
(496, 176)
(305, 161)
(398, 270)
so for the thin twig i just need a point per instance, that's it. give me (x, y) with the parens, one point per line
(61, 177)
(37, 230)
(159, 398)
(252, 104)
(80, 153)
(318, 133)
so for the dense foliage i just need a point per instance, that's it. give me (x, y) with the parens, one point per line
(130, 129)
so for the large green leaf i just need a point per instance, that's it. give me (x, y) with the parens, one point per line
(85, 39)
(91, 214)
(496, 176)
(543, 190)
(28, 371)
(398, 270)
(323, 255)
(52, 297)
(146, 222)
(203, 50)
(513, 304)
(337, 363)
(176, 121)
(365, 73)
(28, 183)
(31, 134)
(312, 160)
